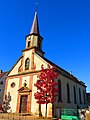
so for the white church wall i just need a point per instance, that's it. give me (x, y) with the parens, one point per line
(26, 79)
(64, 103)
(82, 88)
(34, 106)
(39, 62)
(13, 93)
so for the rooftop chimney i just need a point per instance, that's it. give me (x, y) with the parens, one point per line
(70, 72)
(0, 71)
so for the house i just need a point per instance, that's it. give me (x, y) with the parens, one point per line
(88, 98)
(3, 76)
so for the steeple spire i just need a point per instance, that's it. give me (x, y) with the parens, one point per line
(34, 39)
(35, 26)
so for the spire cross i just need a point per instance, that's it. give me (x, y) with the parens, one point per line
(36, 5)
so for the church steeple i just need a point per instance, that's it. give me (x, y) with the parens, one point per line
(34, 39)
(35, 26)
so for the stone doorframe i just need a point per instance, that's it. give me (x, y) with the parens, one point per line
(24, 91)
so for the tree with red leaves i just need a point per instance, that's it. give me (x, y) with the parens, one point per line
(46, 86)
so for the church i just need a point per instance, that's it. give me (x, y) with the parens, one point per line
(23, 75)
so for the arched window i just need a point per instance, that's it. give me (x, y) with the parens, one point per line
(68, 93)
(59, 91)
(28, 43)
(80, 96)
(74, 90)
(84, 97)
(27, 62)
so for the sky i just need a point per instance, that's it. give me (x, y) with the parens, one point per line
(64, 25)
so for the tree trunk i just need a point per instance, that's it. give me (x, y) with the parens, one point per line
(60, 113)
(40, 113)
(46, 111)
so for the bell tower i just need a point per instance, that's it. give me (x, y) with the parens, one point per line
(34, 40)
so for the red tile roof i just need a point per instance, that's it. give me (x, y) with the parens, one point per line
(2, 74)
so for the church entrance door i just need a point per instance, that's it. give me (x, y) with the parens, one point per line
(23, 104)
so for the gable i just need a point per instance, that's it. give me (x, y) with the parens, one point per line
(14, 69)
(38, 61)
(24, 89)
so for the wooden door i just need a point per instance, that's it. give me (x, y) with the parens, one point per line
(23, 104)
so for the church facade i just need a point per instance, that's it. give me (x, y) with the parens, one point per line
(23, 75)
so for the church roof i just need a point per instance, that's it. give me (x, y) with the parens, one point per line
(64, 72)
(35, 26)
